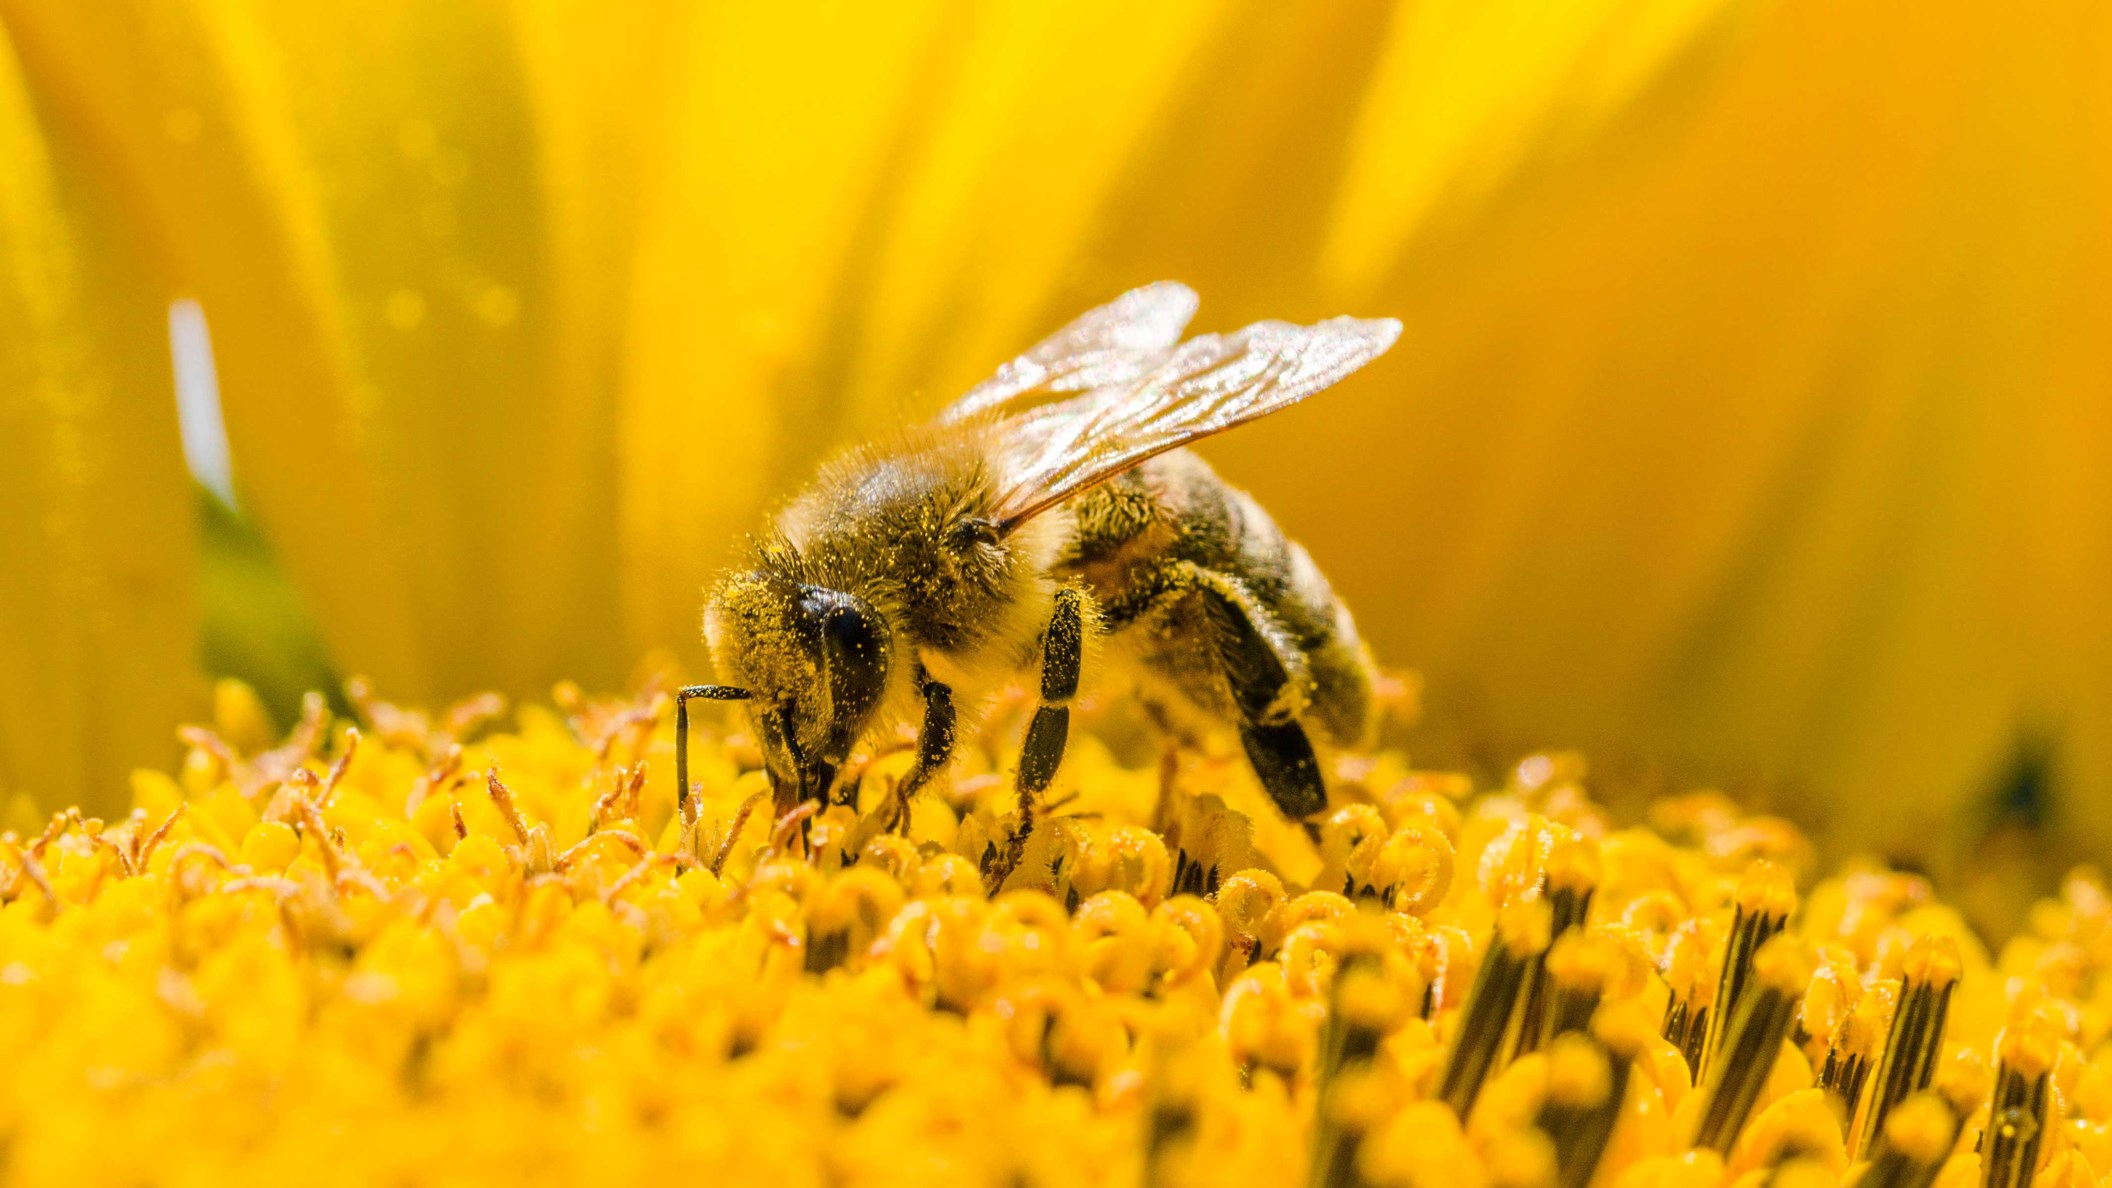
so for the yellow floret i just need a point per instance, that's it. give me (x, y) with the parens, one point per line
(411, 952)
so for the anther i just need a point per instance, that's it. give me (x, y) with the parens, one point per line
(1915, 1039)
(2019, 1108)
(1570, 875)
(1369, 998)
(1917, 1137)
(1693, 992)
(1827, 1001)
(1763, 904)
(1857, 1044)
(1752, 1039)
(1585, 1084)
(1521, 935)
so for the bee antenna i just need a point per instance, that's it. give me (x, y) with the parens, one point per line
(682, 699)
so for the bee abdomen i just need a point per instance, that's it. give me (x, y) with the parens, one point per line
(1310, 613)
(1174, 511)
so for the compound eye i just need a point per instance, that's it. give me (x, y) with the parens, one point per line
(854, 658)
(848, 632)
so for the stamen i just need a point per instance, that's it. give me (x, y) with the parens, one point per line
(1371, 997)
(1007, 860)
(1345, 1046)
(1752, 1040)
(1579, 966)
(502, 796)
(2019, 1109)
(1832, 994)
(1174, 1112)
(733, 832)
(1585, 1084)
(1685, 970)
(1764, 901)
(1797, 1129)
(1857, 1045)
(1247, 903)
(1964, 1082)
(1915, 1039)
(1916, 1139)
(1571, 874)
(1409, 870)
(1521, 935)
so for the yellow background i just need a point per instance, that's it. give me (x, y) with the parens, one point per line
(1750, 424)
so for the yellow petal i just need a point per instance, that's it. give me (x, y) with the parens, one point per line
(190, 133)
(785, 131)
(1467, 95)
(407, 314)
(991, 214)
(1729, 434)
(488, 435)
(1232, 188)
(98, 623)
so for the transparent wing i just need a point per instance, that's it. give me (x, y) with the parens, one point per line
(1106, 347)
(1207, 385)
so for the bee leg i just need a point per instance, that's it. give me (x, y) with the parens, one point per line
(1062, 658)
(1269, 682)
(935, 737)
(1283, 757)
(682, 700)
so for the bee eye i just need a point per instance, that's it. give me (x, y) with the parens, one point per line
(853, 645)
(849, 633)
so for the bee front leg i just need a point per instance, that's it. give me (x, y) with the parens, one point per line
(935, 738)
(685, 808)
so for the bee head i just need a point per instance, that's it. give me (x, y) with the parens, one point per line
(815, 662)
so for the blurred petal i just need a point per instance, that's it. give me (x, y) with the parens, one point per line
(98, 624)
(600, 79)
(787, 131)
(181, 119)
(411, 334)
(1465, 95)
(989, 244)
(1729, 434)
(1232, 189)
(491, 457)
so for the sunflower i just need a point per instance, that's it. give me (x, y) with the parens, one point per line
(1747, 425)
(1745, 428)
(415, 949)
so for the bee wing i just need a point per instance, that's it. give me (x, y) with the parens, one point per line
(1208, 385)
(1109, 346)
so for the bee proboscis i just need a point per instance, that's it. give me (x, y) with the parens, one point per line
(1049, 515)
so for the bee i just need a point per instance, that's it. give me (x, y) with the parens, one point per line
(1049, 514)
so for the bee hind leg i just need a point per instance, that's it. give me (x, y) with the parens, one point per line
(1270, 683)
(1289, 770)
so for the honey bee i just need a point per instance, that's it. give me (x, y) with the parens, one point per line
(1050, 514)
